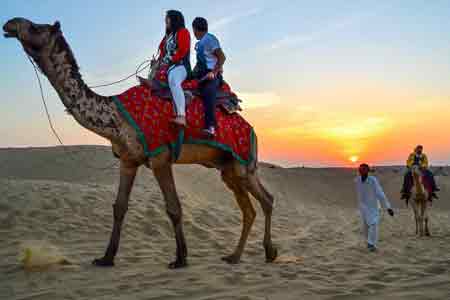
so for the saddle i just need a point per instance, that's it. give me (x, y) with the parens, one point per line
(226, 99)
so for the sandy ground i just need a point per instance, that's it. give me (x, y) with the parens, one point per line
(51, 197)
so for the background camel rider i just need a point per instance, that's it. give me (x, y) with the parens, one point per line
(208, 69)
(175, 52)
(418, 158)
(370, 194)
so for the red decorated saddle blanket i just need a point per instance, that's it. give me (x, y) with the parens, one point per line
(150, 116)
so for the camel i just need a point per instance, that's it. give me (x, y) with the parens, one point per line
(420, 203)
(48, 48)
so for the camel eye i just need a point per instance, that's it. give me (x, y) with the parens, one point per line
(33, 29)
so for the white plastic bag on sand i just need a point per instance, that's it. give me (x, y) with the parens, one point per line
(40, 254)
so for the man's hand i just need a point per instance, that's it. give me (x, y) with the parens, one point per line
(144, 81)
(210, 75)
(390, 212)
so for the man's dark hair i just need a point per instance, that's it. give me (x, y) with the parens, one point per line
(200, 24)
(364, 165)
(176, 21)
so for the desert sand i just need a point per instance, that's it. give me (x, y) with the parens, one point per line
(50, 196)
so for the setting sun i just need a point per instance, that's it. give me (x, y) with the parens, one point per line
(353, 158)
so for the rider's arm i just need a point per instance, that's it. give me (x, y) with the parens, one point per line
(184, 45)
(410, 160)
(424, 162)
(220, 60)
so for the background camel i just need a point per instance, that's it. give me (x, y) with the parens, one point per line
(46, 45)
(420, 202)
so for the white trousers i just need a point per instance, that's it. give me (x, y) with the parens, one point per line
(370, 232)
(176, 76)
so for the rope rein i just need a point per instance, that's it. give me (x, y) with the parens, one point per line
(139, 69)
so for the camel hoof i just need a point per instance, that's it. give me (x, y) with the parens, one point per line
(231, 259)
(271, 254)
(178, 264)
(103, 262)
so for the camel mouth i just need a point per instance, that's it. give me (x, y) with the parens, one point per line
(9, 35)
(9, 32)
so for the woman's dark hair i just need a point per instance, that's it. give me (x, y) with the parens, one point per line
(176, 21)
(200, 24)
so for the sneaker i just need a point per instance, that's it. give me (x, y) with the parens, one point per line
(371, 248)
(433, 195)
(180, 121)
(210, 132)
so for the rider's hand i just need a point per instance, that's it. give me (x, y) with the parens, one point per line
(167, 60)
(390, 212)
(210, 75)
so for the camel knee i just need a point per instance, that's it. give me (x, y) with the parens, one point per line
(251, 216)
(174, 212)
(119, 211)
(175, 215)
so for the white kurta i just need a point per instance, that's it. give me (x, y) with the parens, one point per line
(370, 196)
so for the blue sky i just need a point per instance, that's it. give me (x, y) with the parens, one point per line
(326, 59)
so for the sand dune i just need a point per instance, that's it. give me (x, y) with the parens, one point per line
(49, 196)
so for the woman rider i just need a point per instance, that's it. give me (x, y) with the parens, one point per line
(175, 52)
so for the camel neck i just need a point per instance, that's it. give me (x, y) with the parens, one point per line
(94, 112)
(418, 184)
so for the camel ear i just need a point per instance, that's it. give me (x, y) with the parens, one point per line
(57, 26)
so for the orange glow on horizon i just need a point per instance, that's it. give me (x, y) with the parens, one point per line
(382, 129)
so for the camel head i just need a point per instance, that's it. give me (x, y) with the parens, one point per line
(418, 182)
(37, 40)
(416, 171)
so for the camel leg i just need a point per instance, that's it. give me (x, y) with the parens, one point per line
(427, 230)
(120, 207)
(234, 183)
(166, 182)
(416, 216)
(424, 219)
(421, 231)
(266, 200)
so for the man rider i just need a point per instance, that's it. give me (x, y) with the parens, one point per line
(210, 60)
(418, 158)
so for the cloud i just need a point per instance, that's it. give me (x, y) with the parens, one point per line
(293, 40)
(258, 100)
(222, 22)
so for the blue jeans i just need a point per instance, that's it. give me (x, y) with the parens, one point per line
(208, 90)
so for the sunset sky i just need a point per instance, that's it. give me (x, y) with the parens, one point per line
(322, 81)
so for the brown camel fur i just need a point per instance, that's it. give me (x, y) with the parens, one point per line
(48, 48)
(420, 203)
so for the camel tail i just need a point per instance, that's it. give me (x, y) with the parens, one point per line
(265, 191)
(253, 166)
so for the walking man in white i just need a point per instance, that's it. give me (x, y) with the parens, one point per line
(370, 194)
